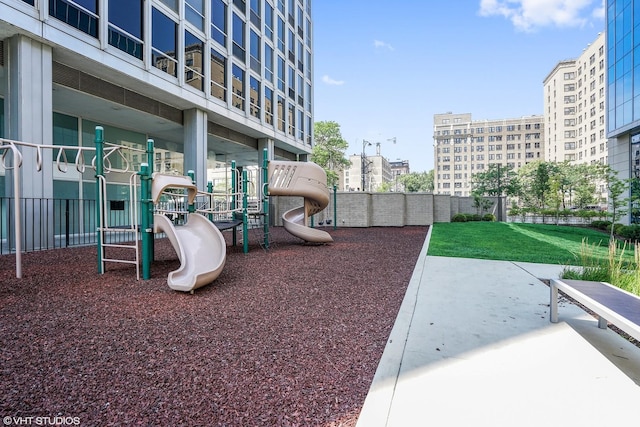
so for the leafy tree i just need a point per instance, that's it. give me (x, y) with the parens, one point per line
(617, 205)
(417, 181)
(536, 186)
(329, 150)
(498, 180)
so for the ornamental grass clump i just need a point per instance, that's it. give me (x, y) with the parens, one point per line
(616, 269)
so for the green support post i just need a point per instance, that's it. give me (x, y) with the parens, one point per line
(147, 196)
(99, 141)
(146, 230)
(245, 228)
(265, 195)
(234, 190)
(335, 207)
(192, 206)
(210, 190)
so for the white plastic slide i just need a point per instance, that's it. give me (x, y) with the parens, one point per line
(304, 179)
(200, 246)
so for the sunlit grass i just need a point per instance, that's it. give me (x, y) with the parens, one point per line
(539, 243)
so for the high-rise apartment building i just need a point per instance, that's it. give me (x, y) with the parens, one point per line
(464, 147)
(574, 108)
(623, 94)
(210, 81)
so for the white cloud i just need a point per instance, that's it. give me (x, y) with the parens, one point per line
(328, 80)
(528, 15)
(382, 45)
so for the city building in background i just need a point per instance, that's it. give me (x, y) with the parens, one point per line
(398, 168)
(367, 173)
(464, 147)
(210, 82)
(574, 108)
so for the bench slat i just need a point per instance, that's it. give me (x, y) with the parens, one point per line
(614, 298)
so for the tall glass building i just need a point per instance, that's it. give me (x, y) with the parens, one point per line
(623, 92)
(210, 81)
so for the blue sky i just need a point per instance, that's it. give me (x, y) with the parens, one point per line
(383, 69)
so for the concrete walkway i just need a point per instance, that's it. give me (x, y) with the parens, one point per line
(473, 346)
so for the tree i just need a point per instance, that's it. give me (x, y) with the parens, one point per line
(497, 181)
(616, 188)
(417, 181)
(536, 186)
(329, 150)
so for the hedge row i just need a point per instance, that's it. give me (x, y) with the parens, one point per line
(463, 217)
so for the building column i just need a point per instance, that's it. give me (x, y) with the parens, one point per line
(29, 111)
(195, 145)
(29, 118)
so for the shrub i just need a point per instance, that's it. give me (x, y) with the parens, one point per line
(601, 225)
(489, 217)
(630, 232)
(459, 218)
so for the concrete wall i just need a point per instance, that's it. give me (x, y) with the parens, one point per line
(360, 209)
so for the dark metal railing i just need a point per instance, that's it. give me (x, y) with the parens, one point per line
(55, 223)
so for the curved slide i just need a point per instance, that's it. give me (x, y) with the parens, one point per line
(199, 244)
(304, 179)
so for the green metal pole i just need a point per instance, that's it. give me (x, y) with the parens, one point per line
(234, 190)
(147, 196)
(210, 190)
(245, 228)
(192, 206)
(146, 231)
(335, 207)
(99, 141)
(265, 195)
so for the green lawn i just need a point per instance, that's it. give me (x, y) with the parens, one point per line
(540, 243)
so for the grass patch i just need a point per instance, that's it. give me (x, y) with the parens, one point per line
(539, 243)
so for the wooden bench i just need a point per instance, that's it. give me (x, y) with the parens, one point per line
(609, 302)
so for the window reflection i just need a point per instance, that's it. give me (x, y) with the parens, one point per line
(193, 69)
(164, 36)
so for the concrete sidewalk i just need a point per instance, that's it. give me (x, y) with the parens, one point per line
(473, 346)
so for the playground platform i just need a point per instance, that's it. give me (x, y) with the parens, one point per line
(473, 345)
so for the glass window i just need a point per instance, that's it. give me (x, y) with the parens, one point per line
(255, 12)
(125, 26)
(241, 4)
(281, 32)
(268, 105)
(292, 83)
(254, 97)
(308, 33)
(80, 14)
(281, 117)
(292, 120)
(300, 56)
(194, 12)
(164, 35)
(219, 21)
(281, 68)
(238, 87)
(268, 21)
(300, 125)
(281, 6)
(171, 4)
(218, 75)
(300, 86)
(193, 70)
(291, 44)
(238, 37)
(254, 52)
(268, 63)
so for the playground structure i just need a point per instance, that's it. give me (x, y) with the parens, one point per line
(301, 179)
(191, 220)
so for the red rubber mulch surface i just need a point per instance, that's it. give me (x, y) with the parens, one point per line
(286, 337)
